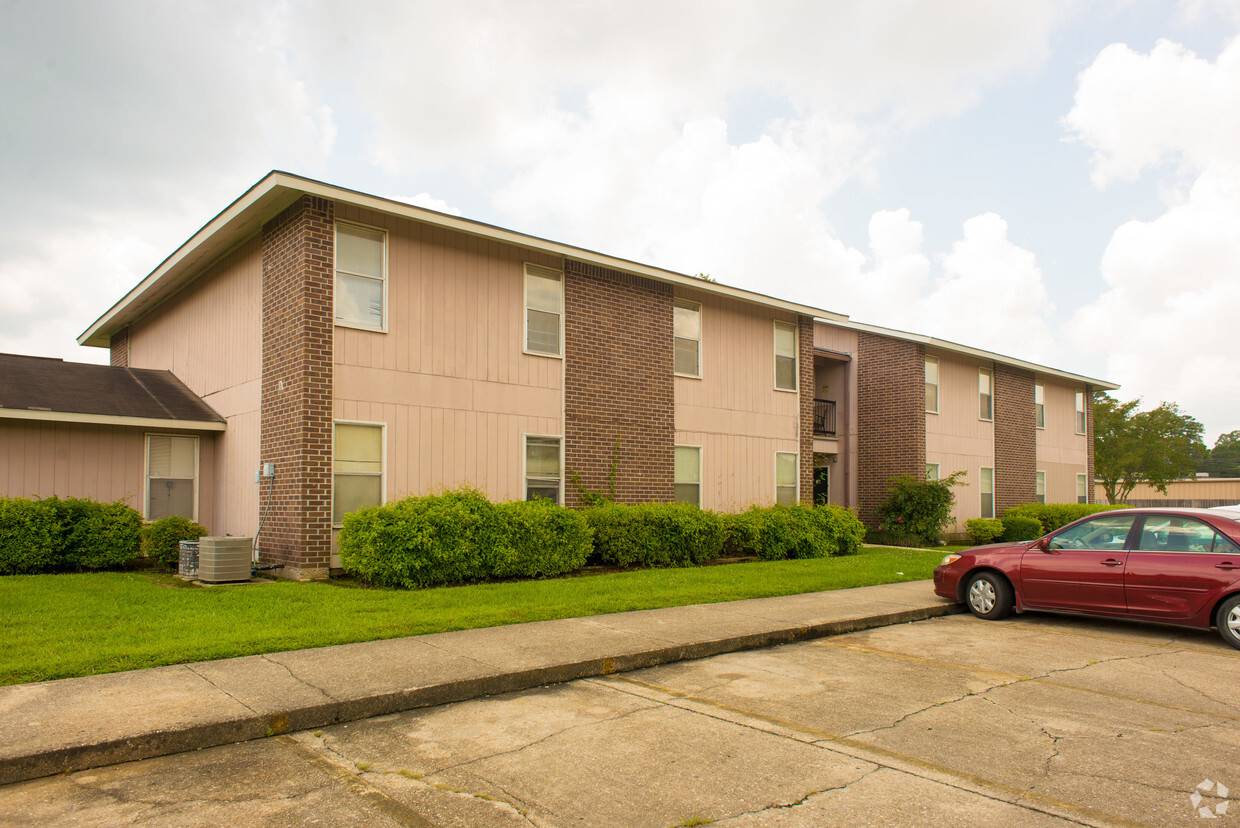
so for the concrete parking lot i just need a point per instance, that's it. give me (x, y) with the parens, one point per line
(1040, 720)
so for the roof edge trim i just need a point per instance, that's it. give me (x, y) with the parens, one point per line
(110, 419)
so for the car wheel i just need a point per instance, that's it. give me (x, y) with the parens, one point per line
(1229, 621)
(989, 596)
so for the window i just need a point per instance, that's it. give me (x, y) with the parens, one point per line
(987, 487)
(985, 394)
(544, 310)
(357, 468)
(786, 478)
(1109, 532)
(1039, 406)
(361, 265)
(932, 385)
(1180, 534)
(542, 468)
(687, 344)
(688, 486)
(1080, 412)
(171, 476)
(932, 471)
(1082, 495)
(785, 356)
(1039, 487)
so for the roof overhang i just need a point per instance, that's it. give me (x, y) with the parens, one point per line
(277, 190)
(109, 419)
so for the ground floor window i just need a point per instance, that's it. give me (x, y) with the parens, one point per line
(688, 471)
(786, 478)
(171, 476)
(542, 468)
(932, 472)
(988, 492)
(1039, 489)
(357, 468)
(1082, 495)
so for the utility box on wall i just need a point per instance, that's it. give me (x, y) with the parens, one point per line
(224, 559)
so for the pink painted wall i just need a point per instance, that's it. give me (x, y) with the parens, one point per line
(956, 437)
(1062, 453)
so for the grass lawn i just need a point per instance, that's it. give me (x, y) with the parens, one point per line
(58, 626)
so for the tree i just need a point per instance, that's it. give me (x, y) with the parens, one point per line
(1224, 459)
(1131, 447)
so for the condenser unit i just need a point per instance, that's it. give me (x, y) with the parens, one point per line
(224, 559)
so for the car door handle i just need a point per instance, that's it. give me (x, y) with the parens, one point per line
(1227, 565)
(1112, 562)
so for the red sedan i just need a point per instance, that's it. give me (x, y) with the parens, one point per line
(1175, 566)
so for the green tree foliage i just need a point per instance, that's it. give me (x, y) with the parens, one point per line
(1224, 459)
(1132, 447)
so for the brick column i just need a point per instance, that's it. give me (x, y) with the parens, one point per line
(1016, 451)
(1089, 444)
(891, 417)
(805, 385)
(618, 388)
(296, 418)
(118, 344)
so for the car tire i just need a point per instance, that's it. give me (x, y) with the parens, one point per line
(1228, 620)
(988, 595)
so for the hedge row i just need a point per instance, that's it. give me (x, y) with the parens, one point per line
(460, 536)
(73, 534)
(1053, 516)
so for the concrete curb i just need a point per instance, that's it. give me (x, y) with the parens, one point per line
(146, 745)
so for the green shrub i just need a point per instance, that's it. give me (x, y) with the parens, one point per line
(781, 532)
(30, 535)
(1017, 528)
(983, 530)
(543, 540)
(97, 535)
(654, 534)
(161, 540)
(1052, 516)
(917, 511)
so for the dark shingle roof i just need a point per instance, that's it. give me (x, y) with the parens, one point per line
(29, 383)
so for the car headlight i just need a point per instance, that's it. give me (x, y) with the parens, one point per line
(949, 559)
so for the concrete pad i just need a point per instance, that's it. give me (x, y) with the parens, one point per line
(541, 644)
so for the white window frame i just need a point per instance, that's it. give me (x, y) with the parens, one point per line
(937, 379)
(383, 466)
(796, 354)
(932, 476)
(695, 307)
(1082, 488)
(1039, 486)
(1039, 405)
(796, 487)
(982, 492)
(336, 271)
(989, 373)
(546, 273)
(525, 458)
(146, 470)
(697, 482)
(1078, 405)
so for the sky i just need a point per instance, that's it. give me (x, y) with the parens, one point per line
(1055, 181)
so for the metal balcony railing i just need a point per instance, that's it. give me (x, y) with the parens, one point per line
(824, 418)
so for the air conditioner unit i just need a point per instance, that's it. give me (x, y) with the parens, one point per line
(224, 559)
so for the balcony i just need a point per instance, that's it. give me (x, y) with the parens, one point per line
(824, 418)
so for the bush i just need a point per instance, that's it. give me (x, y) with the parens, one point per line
(983, 530)
(543, 540)
(654, 534)
(161, 540)
(97, 535)
(917, 511)
(780, 532)
(30, 535)
(1052, 516)
(1017, 528)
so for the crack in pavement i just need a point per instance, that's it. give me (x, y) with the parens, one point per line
(298, 678)
(190, 667)
(790, 805)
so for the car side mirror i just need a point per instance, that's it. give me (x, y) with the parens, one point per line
(1042, 545)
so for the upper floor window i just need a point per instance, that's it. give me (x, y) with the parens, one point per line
(361, 276)
(688, 338)
(932, 385)
(1039, 487)
(542, 468)
(988, 492)
(785, 356)
(985, 394)
(171, 476)
(357, 468)
(1039, 406)
(1080, 412)
(688, 472)
(544, 310)
(786, 489)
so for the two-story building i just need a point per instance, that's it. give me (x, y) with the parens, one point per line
(361, 349)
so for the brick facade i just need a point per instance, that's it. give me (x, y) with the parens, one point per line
(891, 417)
(296, 421)
(618, 386)
(1089, 444)
(1016, 451)
(805, 384)
(118, 345)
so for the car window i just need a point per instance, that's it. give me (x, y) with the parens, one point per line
(1225, 546)
(1108, 532)
(1171, 533)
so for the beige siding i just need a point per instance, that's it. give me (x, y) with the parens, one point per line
(1226, 490)
(448, 378)
(1062, 453)
(733, 411)
(956, 437)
